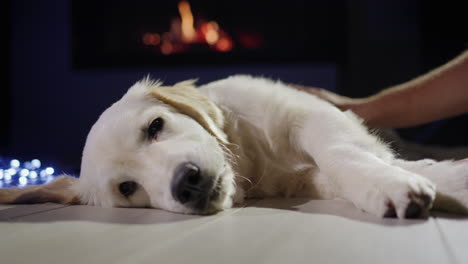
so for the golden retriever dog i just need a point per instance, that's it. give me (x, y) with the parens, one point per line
(201, 150)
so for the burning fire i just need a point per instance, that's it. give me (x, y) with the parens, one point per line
(186, 31)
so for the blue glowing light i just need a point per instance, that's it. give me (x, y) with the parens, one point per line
(7, 177)
(32, 174)
(16, 173)
(14, 163)
(36, 163)
(23, 181)
(49, 170)
(24, 172)
(28, 165)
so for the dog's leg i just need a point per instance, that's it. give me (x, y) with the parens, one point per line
(360, 166)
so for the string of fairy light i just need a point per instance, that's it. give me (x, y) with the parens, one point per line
(14, 173)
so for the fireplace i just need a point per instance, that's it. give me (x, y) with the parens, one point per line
(188, 32)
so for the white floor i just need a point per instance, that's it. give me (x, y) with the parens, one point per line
(265, 231)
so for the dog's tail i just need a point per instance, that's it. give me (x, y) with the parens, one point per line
(451, 179)
(59, 190)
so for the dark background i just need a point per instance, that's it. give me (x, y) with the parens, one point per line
(60, 76)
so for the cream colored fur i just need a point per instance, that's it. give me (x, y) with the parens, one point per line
(259, 138)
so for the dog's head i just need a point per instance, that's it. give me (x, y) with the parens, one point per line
(158, 146)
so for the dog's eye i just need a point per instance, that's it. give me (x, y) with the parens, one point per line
(128, 188)
(155, 127)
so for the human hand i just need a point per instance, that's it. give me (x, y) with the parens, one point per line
(342, 102)
(363, 107)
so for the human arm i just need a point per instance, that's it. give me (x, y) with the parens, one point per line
(441, 93)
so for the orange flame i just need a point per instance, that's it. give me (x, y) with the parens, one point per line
(188, 30)
(183, 34)
(210, 31)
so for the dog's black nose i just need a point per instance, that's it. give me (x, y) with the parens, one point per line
(189, 187)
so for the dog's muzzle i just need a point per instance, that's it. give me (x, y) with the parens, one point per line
(191, 188)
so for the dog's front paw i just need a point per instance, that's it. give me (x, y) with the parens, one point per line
(406, 196)
(416, 206)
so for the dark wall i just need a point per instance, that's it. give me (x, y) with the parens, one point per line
(5, 73)
(390, 42)
(384, 42)
(54, 106)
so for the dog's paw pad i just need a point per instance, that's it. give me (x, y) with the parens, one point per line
(414, 210)
(426, 199)
(407, 196)
(418, 205)
(391, 212)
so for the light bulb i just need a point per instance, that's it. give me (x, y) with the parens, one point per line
(33, 174)
(36, 163)
(49, 170)
(23, 180)
(24, 172)
(14, 163)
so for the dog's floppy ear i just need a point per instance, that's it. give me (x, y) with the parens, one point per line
(59, 190)
(189, 101)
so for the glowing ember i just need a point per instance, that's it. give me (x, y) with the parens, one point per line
(224, 45)
(166, 48)
(186, 31)
(151, 39)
